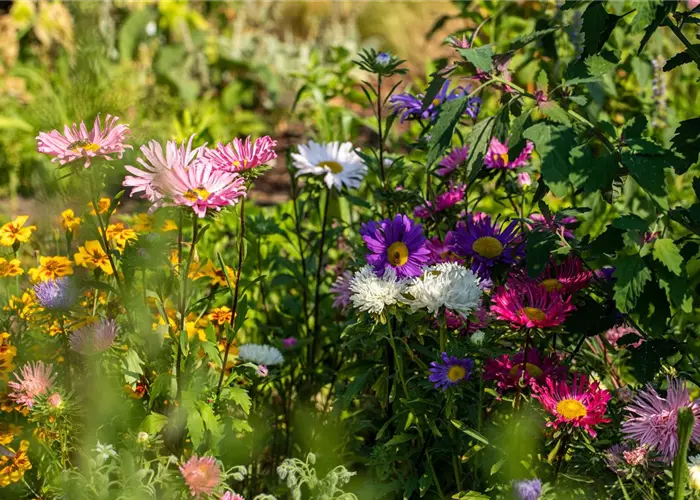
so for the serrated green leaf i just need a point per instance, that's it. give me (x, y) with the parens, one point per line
(153, 423)
(686, 141)
(632, 274)
(601, 64)
(441, 134)
(597, 27)
(631, 222)
(160, 387)
(553, 143)
(195, 427)
(555, 112)
(589, 173)
(666, 252)
(480, 57)
(239, 396)
(648, 171)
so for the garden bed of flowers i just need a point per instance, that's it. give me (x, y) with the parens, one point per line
(494, 295)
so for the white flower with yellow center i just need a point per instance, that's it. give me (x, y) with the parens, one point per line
(448, 285)
(371, 293)
(337, 162)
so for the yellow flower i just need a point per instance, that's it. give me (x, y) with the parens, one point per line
(7, 354)
(102, 206)
(51, 268)
(220, 315)
(24, 306)
(10, 268)
(169, 225)
(92, 256)
(8, 432)
(142, 223)
(15, 231)
(12, 468)
(232, 353)
(217, 275)
(69, 221)
(119, 235)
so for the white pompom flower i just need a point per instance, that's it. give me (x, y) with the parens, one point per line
(373, 294)
(260, 354)
(337, 162)
(448, 285)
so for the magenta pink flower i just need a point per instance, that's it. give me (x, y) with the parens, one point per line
(77, 142)
(566, 277)
(341, 291)
(442, 251)
(581, 405)
(453, 160)
(34, 380)
(525, 305)
(557, 225)
(156, 167)
(524, 179)
(201, 474)
(619, 331)
(229, 495)
(238, 155)
(497, 155)
(507, 370)
(202, 188)
(446, 200)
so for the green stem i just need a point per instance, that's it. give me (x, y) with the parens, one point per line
(679, 34)
(317, 294)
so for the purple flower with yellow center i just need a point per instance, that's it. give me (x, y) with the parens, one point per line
(411, 107)
(487, 242)
(497, 155)
(450, 372)
(398, 243)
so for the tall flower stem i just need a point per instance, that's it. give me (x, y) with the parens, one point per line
(184, 280)
(236, 287)
(380, 105)
(317, 293)
(297, 230)
(523, 368)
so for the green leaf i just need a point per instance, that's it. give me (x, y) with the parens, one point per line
(401, 438)
(631, 222)
(441, 134)
(589, 173)
(555, 112)
(480, 57)
(660, 14)
(680, 58)
(160, 387)
(470, 495)
(686, 141)
(433, 89)
(479, 139)
(553, 144)
(597, 27)
(601, 64)
(469, 432)
(195, 427)
(648, 171)
(646, 359)
(632, 274)
(666, 252)
(153, 423)
(132, 31)
(540, 245)
(211, 420)
(239, 396)
(522, 41)
(133, 369)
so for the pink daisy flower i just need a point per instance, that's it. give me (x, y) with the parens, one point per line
(581, 405)
(453, 160)
(619, 331)
(654, 419)
(442, 251)
(229, 495)
(341, 291)
(238, 155)
(497, 155)
(529, 306)
(202, 188)
(201, 474)
(556, 225)
(34, 379)
(446, 200)
(567, 277)
(507, 370)
(76, 142)
(157, 164)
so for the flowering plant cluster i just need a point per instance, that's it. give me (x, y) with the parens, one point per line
(490, 296)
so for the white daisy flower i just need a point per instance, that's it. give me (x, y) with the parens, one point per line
(337, 162)
(447, 285)
(260, 354)
(371, 293)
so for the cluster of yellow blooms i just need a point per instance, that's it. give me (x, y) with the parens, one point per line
(13, 467)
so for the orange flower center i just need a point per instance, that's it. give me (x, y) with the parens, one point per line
(397, 253)
(571, 409)
(504, 158)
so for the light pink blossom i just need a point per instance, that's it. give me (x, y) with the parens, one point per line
(201, 474)
(34, 380)
(239, 155)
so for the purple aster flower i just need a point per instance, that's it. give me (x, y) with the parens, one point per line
(655, 418)
(397, 243)
(410, 106)
(289, 342)
(95, 338)
(453, 160)
(527, 489)
(383, 58)
(451, 371)
(497, 155)
(606, 273)
(488, 243)
(341, 291)
(56, 294)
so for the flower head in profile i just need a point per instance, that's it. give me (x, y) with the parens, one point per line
(289, 342)
(261, 354)
(654, 419)
(239, 155)
(410, 107)
(201, 474)
(565, 277)
(488, 243)
(10, 268)
(442, 251)
(579, 405)
(619, 456)
(450, 372)
(448, 285)
(374, 293)
(16, 231)
(69, 221)
(497, 155)
(337, 162)
(77, 143)
(528, 306)
(509, 370)
(94, 338)
(527, 489)
(33, 380)
(396, 244)
(58, 294)
(454, 159)
(341, 291)
(51, 268)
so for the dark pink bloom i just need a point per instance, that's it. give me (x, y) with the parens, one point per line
(239, 155)
(446, 200)
(619, 331)
(581, 405)
(453, 160)
(442, 251)
(566, 277)
(553, 224)
(507, 370)
(529, 306)
(76, 142)
(497, 155)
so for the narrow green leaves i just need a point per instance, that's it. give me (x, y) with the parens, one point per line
(450, 113)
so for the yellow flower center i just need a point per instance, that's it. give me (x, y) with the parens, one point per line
(237, 165)
(532, 370)
(551, 284)
(436, 102)
(84, 145)
(197, 194)
(534, 314)
(456, 373)
(571, 409)
(488, 246)
(397, 253)
(333, 166)
(504, 157)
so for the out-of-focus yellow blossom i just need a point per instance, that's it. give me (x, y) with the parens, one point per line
(12, 468)
(16, 232)
(169, 225)
(232, 353)
(8, 432)
(216, 275)
(194, 265)
(69, 221)
(92, 256)
(23, 306)
(194, 326)
(22, 13)
(10, 268)
(102, 206)
(119, 235)
(54, 24)
(220, 315)
(51, 268)
(7, 355)
(142, 223)
(51, 328)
